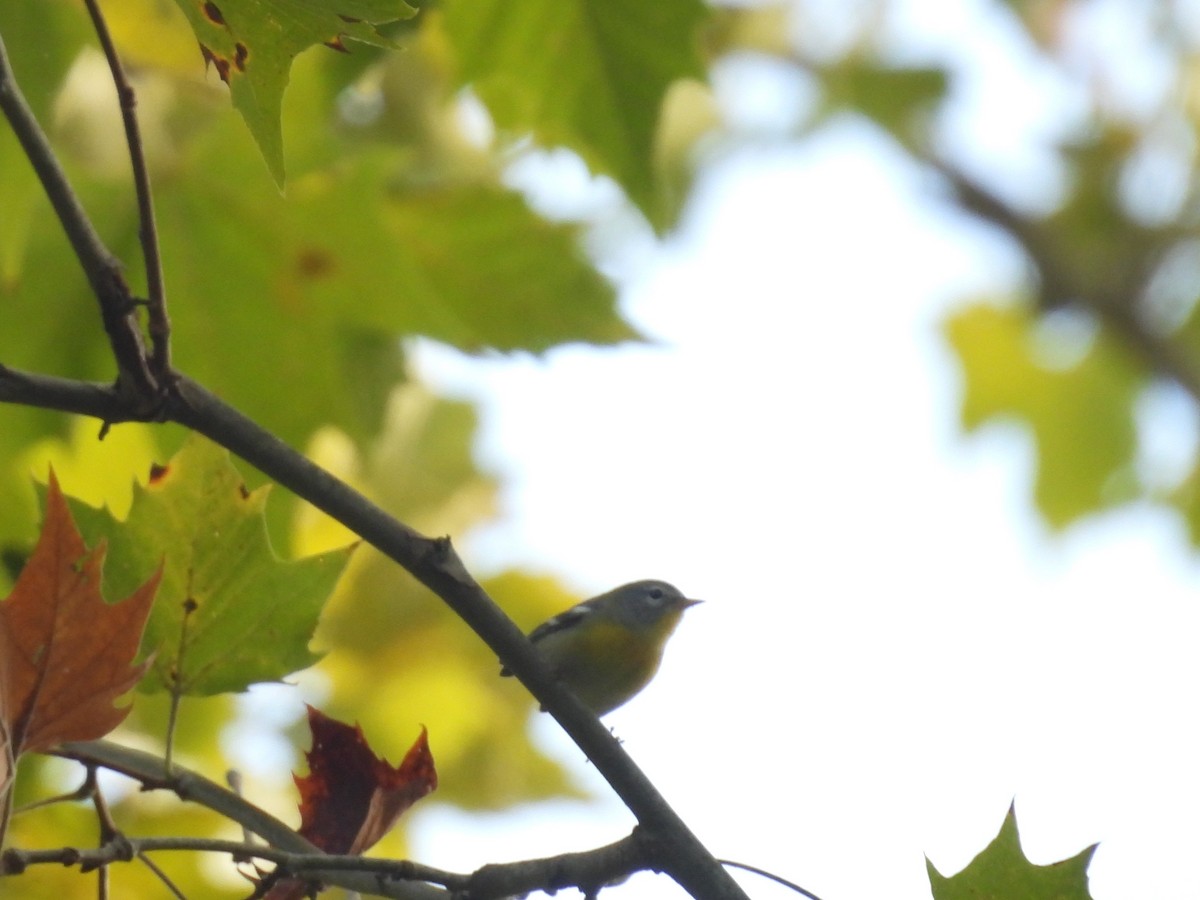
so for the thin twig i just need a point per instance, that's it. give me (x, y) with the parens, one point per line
(391, 878)
(83, 792)
(294, 855)
(159, 323)
(103, 270)
(779, 879)
(108, 827)
(587, 871)
(176, 675)
(8, 767)
(109, 834)
(148, 770)
(233, 778)
(162, 876)
(1115, 306)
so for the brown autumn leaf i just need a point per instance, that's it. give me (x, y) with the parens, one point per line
(65, 654)
(350, 797)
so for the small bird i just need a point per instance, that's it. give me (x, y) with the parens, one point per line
(608, 648)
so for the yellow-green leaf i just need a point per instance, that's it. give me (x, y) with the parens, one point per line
(1080, 414)
(229, 612)
(581, 74)
(1002, 872)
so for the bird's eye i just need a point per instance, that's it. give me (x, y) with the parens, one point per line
(656, 593)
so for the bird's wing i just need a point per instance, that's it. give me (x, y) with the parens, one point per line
(566, 619)
(563, 620)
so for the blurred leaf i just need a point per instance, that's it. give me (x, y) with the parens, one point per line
(273, 299)
(1047, 22)
(761, 28)
(1101, 250)
(386, 636)
(1002, 872)
(251, 44)
(41, 40)
(895, 98)
(349, 262)
(229, 612)
(587, 76)
(1186, 498)
(154, 33)
(1080, 415)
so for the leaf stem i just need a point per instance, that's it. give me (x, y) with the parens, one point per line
(176, 676)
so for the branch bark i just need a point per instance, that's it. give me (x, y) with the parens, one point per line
(588, 870)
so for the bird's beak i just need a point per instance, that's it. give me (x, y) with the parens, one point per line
(687, 603)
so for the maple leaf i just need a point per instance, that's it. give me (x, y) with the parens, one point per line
(229, 613)
(351, 798)
(1002, 871)
(65, 654)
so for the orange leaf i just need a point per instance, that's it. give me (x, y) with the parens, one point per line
(65, 654)
(350, 797)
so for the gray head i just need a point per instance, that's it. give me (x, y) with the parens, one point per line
(646, 602)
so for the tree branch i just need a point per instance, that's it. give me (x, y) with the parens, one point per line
(151, 773)
(433, 562)
(103, 270)
(296, 857)
(588, 871)
(1116, 307)
(379, 877)
(138, 395)
(156, 300)
(83, 398)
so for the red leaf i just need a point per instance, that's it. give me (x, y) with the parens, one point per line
(65, 654)
(350, 797)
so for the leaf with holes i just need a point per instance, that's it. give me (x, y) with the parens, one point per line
(251, 44)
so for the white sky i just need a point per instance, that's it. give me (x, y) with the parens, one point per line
(893, 646)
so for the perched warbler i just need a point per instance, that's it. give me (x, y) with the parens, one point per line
(608, 648)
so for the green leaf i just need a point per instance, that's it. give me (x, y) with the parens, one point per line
(590, 76)
(1002, 872)
(1080, 415)
(892, 97)
(229, 613)
(1186, 499)
(350, 263)
(252, 44)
